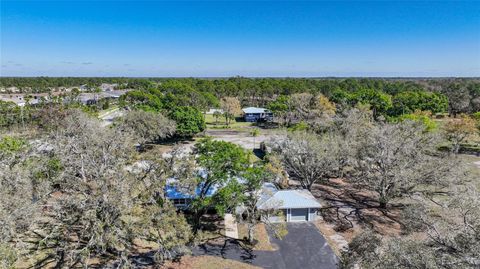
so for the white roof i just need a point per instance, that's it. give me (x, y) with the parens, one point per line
(213, 110)
(254, 110)
(289, 199)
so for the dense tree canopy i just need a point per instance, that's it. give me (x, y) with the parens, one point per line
(69, 197)
(463, 94)
(189, 120)
(408, 102)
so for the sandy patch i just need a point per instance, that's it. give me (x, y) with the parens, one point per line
(207, 262)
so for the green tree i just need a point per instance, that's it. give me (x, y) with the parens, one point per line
(11, 114)
(379, 102)
(222, 162)
(422, 117)
(280, 105)
(217, 114)
(253, 178)
(410, 101)
(143, 100)
(342, 97)
(189, 120)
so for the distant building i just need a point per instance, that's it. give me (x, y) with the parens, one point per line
(255, 114)
(22, 99)
(89, 98)
(213, 110)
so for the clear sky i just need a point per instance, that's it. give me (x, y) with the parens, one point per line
(153, 38)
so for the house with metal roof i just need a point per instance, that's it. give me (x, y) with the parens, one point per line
(296, 205)
(182, 197)
(255, 114)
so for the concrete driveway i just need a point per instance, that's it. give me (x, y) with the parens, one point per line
(303, 247)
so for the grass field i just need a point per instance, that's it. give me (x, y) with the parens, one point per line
(213, 123)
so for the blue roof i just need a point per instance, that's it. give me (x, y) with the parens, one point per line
(174, 192)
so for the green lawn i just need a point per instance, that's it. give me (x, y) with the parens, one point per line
(212, 123)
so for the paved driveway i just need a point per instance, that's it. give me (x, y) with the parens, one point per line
(303, 247)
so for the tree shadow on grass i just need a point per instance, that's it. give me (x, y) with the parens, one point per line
(348, 206)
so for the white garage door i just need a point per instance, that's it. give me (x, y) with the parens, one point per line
(299, 214)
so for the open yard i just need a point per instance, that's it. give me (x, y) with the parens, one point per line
(219, 123)
(348, 210)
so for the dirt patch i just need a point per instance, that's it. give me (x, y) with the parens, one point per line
(337, 241)
(207, 262)
(260, 235)
(348, 211)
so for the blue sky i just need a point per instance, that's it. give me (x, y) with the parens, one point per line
(257, 38)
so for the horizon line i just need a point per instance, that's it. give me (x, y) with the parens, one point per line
(238, 76)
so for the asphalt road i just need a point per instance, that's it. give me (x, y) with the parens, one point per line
(303, 247)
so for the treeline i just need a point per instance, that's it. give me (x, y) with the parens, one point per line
(462, 94)
(46, 84)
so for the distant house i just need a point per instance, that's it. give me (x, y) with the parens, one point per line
(255, 114)
(297, 205)
(213, 110)
(90, 98)
(114, 94)
(22, 99)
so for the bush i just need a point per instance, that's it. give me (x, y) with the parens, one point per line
(476, 116)
(423, 117)
(301, 126)
(11, 144)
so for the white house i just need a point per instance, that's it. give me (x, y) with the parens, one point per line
(297, 205)
(213, 110)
